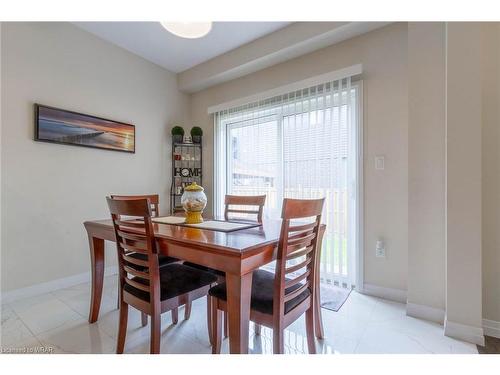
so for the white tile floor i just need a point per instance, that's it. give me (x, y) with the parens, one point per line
(58, 322)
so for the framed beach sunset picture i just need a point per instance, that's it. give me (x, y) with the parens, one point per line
(60, 126)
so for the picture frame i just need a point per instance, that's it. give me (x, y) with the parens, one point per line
(56, 125)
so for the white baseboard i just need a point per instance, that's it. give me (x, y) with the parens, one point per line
(425, 312)
(491, 328)
(397, 295)
(51, 286)
(464, 332)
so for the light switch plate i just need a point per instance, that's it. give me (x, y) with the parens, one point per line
(380, 162)
(380, 249)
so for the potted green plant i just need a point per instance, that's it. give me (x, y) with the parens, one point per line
(177, 134)
(196, 134)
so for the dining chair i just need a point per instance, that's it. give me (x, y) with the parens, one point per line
(154, 200)
(143, 283)
(280, 298)
(245, 207)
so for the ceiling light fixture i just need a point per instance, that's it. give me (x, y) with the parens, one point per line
(190, 30)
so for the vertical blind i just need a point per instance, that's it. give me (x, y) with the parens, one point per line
(297, 145)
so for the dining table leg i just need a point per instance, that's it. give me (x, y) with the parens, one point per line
(97, 265)
(239, 288)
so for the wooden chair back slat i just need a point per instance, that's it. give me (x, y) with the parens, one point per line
(131, 236)
(154, 200)
(298, 251)
(296, 241)
(135, 239)
(137, 262)
(291, 282)
(302, 227)
(297, 267)
(130, 224)
(135, 284)
(137, 273)
(255, 204)
(133, 248)
(303, 239)
(240, 211)
(296, 292)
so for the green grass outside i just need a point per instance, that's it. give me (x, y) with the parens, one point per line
(331, 247)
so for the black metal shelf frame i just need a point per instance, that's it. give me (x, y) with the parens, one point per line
(191, 160)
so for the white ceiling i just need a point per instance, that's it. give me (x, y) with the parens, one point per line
(152, 42)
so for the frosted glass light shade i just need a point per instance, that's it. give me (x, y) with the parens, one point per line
(190, 30)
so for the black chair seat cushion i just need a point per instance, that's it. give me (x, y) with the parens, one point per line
(262, 293)
(162, 259)
(207, 269)
(175, 279)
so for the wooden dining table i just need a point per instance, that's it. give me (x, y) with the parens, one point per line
(237, 253)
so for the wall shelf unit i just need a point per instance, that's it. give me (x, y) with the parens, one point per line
(186, 168)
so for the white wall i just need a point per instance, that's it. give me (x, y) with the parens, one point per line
(426, 169)
(463, 191)
(48, 190)
(491, 170)
(1, 27)
(383, 54)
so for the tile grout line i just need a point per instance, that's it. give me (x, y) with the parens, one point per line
(64, 302)
(83, 317)
(377, 302)
(24, 324)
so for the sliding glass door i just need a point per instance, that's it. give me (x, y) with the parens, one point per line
(254, 163)
(302, 146)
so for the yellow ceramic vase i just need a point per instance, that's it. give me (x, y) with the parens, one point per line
(193, 217)
(194, 201)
